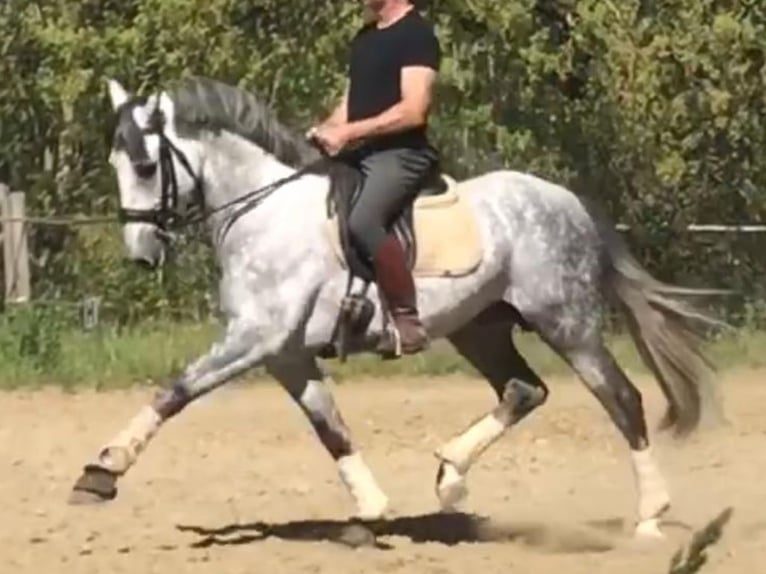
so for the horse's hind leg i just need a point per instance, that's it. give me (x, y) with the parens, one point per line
(490, 349)
(605, 379)
(304, 381)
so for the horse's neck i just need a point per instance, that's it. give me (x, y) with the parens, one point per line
(235, 167)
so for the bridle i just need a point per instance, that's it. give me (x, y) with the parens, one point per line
(167, 216)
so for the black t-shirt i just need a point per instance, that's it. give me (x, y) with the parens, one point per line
(377, 59)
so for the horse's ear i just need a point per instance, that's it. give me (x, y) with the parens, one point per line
(117, 93)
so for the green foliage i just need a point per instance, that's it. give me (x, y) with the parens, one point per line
(57, 351)
(30, 337)
(656, 109)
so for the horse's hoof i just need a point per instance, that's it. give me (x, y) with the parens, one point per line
(375, 508)
(649, 530)
(450, 487)
(85, 498)
(95, 485)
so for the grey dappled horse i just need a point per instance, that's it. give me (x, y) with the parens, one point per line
(548, 261)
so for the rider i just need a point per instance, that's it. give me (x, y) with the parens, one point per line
(394, 62)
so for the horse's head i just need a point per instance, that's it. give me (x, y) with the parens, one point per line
(157, 174)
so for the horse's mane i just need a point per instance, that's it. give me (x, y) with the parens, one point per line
(206, 104)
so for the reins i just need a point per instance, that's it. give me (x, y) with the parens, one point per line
(167, 217)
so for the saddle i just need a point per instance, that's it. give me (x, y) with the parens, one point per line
(438, 231)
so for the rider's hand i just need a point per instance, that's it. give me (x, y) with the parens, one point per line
(332, 138)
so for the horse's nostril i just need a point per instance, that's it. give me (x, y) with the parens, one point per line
(145, 169)
(167, 238)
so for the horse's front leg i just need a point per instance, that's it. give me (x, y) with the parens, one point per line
(243, 347)
(304, 380)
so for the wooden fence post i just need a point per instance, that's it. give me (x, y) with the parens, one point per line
(15, 249)
(5, 213)
(21, 247)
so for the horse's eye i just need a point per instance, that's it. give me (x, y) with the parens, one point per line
(145, 169)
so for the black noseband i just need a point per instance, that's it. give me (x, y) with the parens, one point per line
(166, 216)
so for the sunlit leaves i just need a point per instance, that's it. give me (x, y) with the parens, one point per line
(656, 108)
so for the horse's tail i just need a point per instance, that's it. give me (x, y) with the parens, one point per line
(666, 330)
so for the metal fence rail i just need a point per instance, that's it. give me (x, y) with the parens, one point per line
(713, 228)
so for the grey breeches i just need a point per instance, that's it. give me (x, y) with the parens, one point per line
(392, 179)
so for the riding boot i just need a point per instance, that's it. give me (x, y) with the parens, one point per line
(394, 279)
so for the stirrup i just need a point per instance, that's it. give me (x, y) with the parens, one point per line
(389, 345)
(356, 314)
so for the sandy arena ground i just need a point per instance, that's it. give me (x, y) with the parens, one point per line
(556, 492)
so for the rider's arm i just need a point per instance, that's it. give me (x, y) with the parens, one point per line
(339, 115)
(411, 111)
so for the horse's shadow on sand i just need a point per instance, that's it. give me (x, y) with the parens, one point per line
(447, 529)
